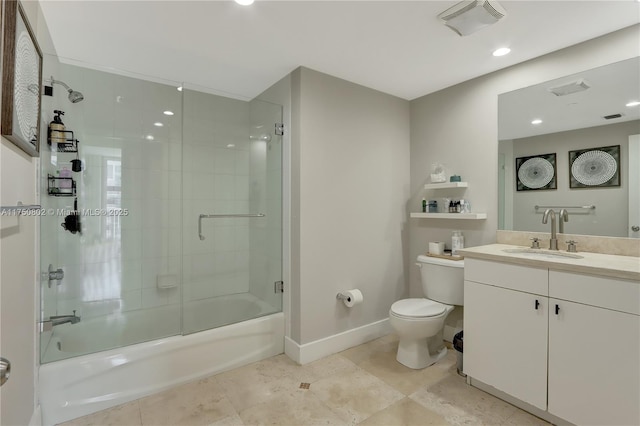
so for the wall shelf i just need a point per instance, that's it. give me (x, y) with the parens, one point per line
(446, 185)
(470, 216)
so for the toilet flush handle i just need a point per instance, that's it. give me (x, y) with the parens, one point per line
(419, 265)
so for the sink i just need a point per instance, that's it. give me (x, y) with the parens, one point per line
(543, 254)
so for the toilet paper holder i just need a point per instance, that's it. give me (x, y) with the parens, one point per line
(342, 296)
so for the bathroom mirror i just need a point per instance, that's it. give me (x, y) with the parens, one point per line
(552, 123)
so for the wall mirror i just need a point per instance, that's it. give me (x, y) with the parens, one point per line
(573, 143)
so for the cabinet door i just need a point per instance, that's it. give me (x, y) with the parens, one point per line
(594, 356)
(505, 341)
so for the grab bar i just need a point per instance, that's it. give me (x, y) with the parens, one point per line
(19, 208)
(591, 207)
(218, 216)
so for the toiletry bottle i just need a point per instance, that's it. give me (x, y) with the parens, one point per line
(424, 205)
(56, 128)
(65, 183)
(457, 242)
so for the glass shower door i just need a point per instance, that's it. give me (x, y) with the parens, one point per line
(232, 239)
(119, 246)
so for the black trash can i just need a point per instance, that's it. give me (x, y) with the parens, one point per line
(458, 340)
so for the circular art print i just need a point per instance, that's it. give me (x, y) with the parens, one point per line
(536, 173)
(594, 168)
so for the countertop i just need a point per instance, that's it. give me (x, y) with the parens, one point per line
(608, 265)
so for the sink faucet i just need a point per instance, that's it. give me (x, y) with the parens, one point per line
(563, 217)
(55, 320)
(553, 242)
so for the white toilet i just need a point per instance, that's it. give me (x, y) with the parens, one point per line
(419, 322)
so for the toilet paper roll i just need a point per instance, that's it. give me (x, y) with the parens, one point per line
(354, 297)
(436, 247)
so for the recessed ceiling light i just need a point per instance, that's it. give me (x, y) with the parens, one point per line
(244, 2)
(536, 121)
(180, 89)
(168, 113)
(158, 124)
(633, 103)
(149, 137)
(501, 51)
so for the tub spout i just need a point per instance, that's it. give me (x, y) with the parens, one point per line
(59, 320)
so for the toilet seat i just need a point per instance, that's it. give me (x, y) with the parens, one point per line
(417, 308)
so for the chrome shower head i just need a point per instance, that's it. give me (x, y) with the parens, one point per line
(74, 96)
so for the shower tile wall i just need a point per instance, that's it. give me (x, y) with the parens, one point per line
(131, 164)
(216, 181)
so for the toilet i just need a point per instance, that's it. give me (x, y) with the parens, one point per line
(419, 322)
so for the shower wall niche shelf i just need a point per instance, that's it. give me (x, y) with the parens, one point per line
(61, 186)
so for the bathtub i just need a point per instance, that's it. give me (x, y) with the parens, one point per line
(74, 387)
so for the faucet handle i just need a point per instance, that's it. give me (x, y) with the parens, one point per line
(571, 247)
(535, 242)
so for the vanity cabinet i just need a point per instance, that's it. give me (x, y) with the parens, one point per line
(565, 343)
(505, 328)
(594, 349)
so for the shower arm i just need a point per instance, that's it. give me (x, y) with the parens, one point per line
(62, 83)
(219, 216)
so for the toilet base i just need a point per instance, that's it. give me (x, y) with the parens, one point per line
(415, 354)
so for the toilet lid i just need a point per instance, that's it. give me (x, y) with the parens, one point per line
(417, 308)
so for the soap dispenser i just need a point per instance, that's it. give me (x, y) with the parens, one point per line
(56, 128)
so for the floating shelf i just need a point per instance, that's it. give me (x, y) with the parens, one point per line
(471, 216)
(446, 185)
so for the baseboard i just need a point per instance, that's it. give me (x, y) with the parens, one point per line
(308, 352)
(36, 417)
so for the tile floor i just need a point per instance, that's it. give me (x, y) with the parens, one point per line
(363, 385)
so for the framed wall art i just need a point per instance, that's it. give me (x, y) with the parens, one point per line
(594, 167)
(537, 172)
(21, 80)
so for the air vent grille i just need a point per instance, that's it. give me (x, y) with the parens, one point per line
(612, 116)
(569, 88)
(492, 11)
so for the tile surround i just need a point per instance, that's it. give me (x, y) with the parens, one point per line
(363, 385)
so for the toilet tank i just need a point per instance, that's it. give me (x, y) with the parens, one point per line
(442, 279)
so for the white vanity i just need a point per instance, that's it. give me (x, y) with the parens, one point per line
(557, 336)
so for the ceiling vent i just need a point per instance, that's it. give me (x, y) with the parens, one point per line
(569, 88)
(469, 16)
(612, 116)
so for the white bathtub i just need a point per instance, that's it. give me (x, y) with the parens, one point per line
(75, 387)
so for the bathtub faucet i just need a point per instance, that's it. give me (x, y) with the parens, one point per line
(58, 320)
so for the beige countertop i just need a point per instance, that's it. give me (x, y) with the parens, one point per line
(608, 265)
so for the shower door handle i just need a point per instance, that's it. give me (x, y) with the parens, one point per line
(220, 216)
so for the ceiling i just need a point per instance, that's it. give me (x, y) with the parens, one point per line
(397, 47)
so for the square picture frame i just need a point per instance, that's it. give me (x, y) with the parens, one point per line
(595, 167)
(21, 80)
(536, 172)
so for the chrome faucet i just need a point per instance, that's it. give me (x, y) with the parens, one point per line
(563, 217)
(553, 242)
(59, 320)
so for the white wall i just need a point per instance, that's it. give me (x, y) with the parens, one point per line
(459, 127)
(18, 277)
(611, 214)
(350, 150)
